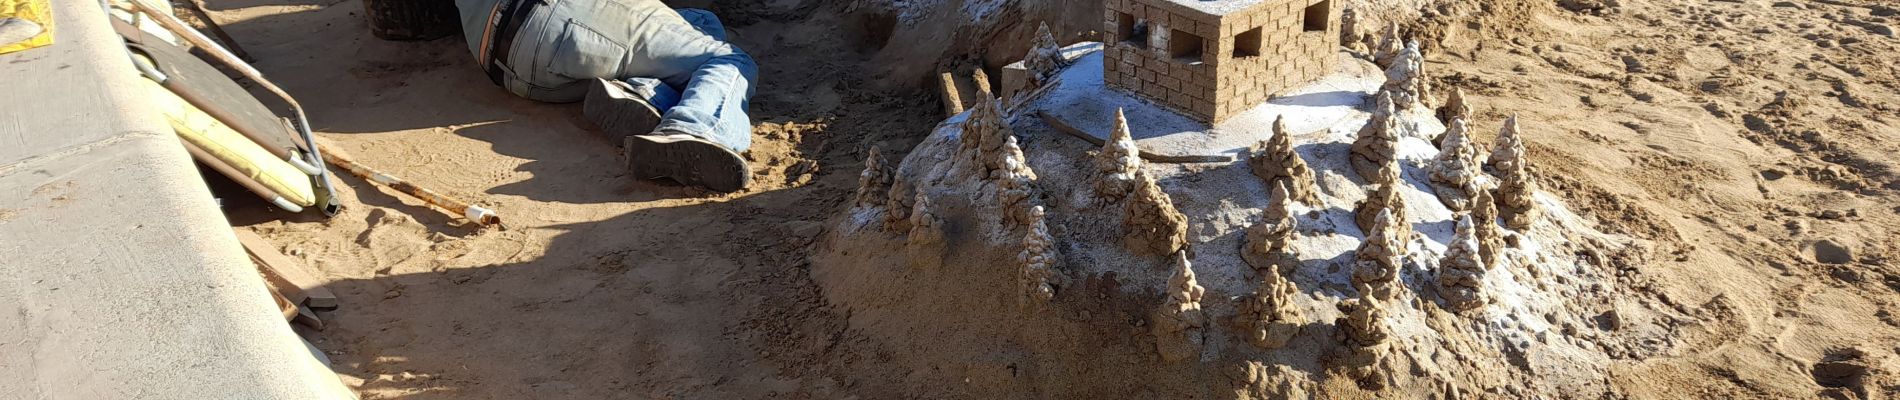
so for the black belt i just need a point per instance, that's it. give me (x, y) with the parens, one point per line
(509, 15)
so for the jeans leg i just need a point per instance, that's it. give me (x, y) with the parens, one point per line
(657, 94)
(705, 21)
(714, 102)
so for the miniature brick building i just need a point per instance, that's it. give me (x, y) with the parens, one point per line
(1212, 59)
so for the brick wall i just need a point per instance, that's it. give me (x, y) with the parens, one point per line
(1216, 85)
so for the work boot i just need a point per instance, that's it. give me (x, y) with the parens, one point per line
(686, 159)
(619, 110)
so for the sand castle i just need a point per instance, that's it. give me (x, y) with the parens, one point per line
(1037, 261)
(1275, 161)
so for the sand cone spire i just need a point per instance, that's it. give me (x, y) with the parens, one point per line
(1454, 173)
(1275, 160)
(1385, 198)
(1178, 322)
(1378, 141)
(1117, 164)
(1405, 79)
(1376, 262)
(874, 184)
(1515, 185)
(1154, 226)
(1268, 318)
(1461, 270)
(1365, 335)
(1044, 60)
(1038, 260)
(1269, 242)
(1484, 216)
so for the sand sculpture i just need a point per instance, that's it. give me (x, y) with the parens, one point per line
(1376, 262)
(925, 228)
(1377, 142)
(1275, 161)
(1211, 62)
(874, 184)
(1454, 172)
(1362, 329)
(1117, 164)
(1461, 270)
(1405, 79)
(1268, 242)
(1515, 185)
(1268, 318)
(1045, 59)
(1178, 322)
(1454, 108)
(1389, 47)
(1385, 198)
(1014, 182)
(1484, 214)
(1154, 226)
(1351, 35)
(1038, 259)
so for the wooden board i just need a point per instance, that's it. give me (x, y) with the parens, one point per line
(286, 273)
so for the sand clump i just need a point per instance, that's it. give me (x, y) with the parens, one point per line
(1484, 215)
(1461, 270)
(1268, 318)
(1275, 162)
(1515, 185)
(1178, 322)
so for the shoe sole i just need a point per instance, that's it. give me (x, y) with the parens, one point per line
(617, 113)
(690, 161)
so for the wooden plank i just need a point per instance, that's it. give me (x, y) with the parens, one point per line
(286, 272)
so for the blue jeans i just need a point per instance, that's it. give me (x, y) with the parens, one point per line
(700, 83)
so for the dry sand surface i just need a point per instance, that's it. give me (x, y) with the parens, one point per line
(1750, 142)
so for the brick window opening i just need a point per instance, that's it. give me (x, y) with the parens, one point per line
(1247, 44)
(1130, 30)
(1183, 46)
(1317, 15)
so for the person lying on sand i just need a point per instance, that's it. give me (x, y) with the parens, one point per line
(662, 83)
